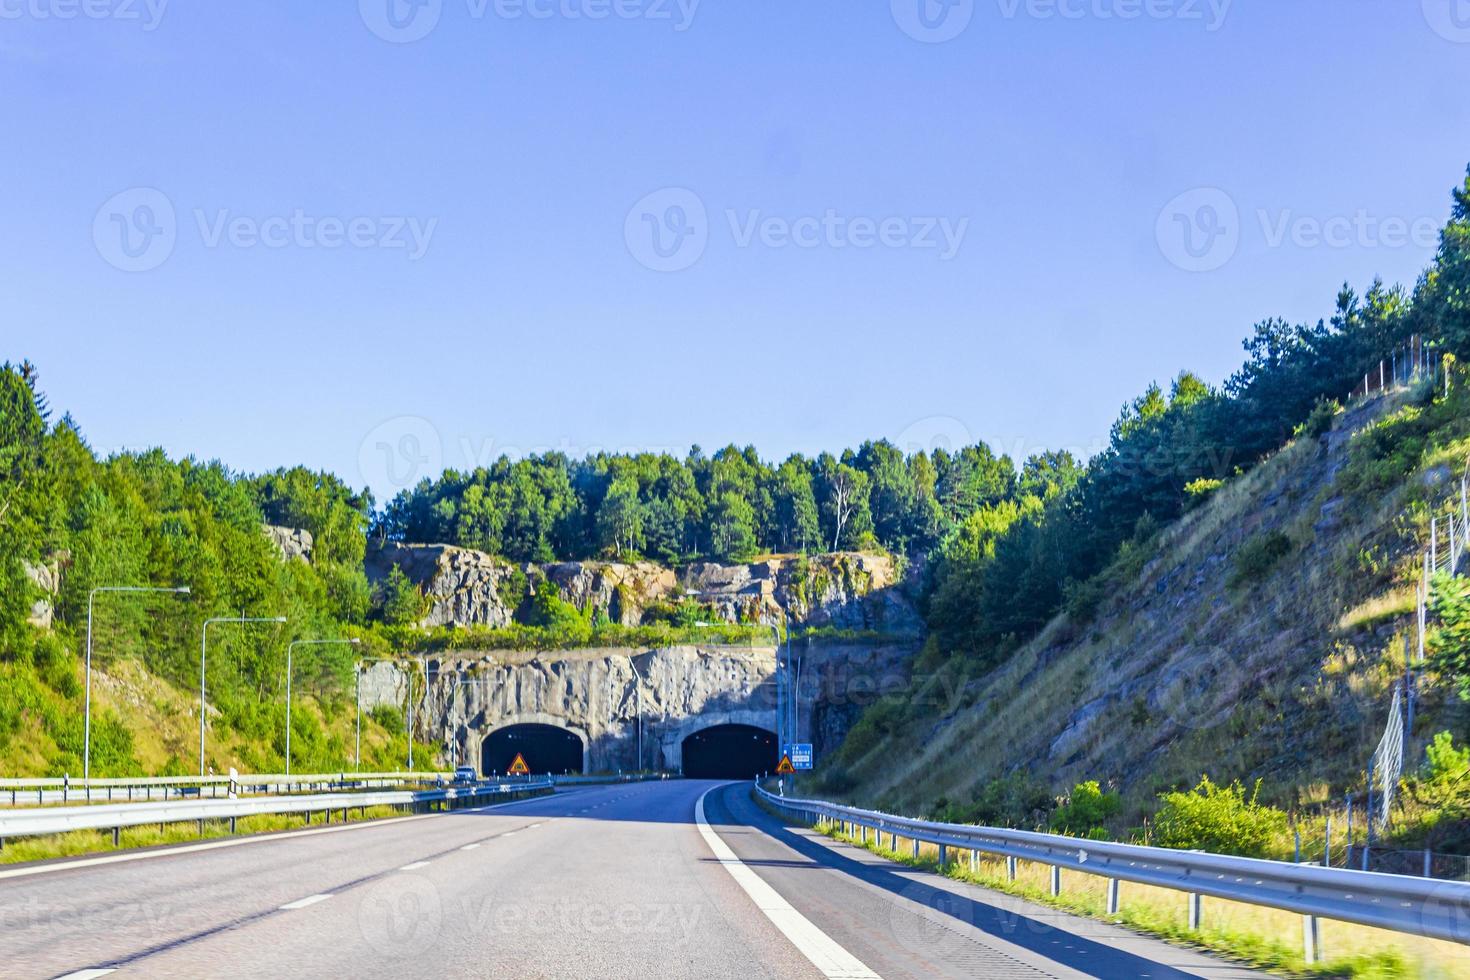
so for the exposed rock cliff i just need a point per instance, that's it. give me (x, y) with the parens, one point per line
(293, 543)
(47, 578)
(845, 590)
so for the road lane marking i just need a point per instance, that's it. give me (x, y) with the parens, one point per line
(302, 903)
(415, 866)
(469, 847)
(825, 953)
(124, 858)
(87, 974)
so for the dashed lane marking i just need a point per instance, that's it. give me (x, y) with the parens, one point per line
(302, 903)
(415, 866)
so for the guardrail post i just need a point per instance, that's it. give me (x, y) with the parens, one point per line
(1113, 884)
(232, 825)
(916, 848)
(1196, 911)
(974, 861)
(1311, 940)
(943, 857)
(116, 836)
(1010, 868)
(1056, 880)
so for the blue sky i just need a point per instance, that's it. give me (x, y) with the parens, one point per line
(275, 233)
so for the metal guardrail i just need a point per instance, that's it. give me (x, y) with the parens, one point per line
(65, 790)
(1425, 907)
(59, 820)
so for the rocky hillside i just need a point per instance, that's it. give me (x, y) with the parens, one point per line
(1256, 638)
(846, 590)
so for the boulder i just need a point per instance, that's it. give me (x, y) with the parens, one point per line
(294, 543)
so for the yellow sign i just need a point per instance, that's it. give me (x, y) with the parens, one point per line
(518, 766)
(785, 767)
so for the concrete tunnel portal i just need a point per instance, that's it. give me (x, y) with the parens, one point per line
(546, 749)
(729, 752)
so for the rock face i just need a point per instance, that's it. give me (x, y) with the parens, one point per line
(464, 587)
(846, 590)
(294, 543)
(47, 578)
(606, 696)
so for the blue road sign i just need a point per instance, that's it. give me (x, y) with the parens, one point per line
(800, 754)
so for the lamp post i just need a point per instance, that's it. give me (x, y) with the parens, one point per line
(87, 710)
(289, 648)
(203, 656)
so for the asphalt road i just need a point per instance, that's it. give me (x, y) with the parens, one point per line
(618, 881)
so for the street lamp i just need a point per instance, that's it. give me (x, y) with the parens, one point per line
(87, 711)
(204, 653)
(407, 729)
(289, 648)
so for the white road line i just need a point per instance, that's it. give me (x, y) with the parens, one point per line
(415, 866)
(94, 862)
(825, 953)
(469, 847)
(302, 903)
(87, 974)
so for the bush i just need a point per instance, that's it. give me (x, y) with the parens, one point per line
(1258, 556)
(1086, 811)
(1014, 800)
(1219, 819)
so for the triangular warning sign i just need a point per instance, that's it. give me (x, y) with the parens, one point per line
(785, 766)
(518, 766)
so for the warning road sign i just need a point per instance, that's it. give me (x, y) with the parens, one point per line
(784, 767)
(518, 766)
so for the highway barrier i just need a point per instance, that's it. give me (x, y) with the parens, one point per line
(1421, 906)
(65, 790)
(60, 820)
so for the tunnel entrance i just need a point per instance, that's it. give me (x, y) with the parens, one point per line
(730, 752)
(546, 749)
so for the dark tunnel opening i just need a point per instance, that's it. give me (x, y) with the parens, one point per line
(546, 749)
(730, 752)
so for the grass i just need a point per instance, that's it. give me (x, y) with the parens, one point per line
(81, 842)
(1269, 939)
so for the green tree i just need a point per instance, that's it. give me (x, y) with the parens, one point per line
(403, 602)
(620, 519)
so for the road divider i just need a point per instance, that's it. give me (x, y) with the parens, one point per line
(60, 820)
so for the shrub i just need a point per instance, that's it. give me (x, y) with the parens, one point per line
(1086, 811)
(1258, 556)
(1220, 819)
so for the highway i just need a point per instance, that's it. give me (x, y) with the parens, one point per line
(665, 879)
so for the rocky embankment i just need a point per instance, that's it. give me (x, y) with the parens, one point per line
(846, 590)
